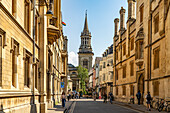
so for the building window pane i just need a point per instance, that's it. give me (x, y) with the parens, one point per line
(132, 44)
(85, 63)
(124, 71)
(14, 66)
(27, 16)
(156, 23)
(141, 12)
(116, 54)
(14, 8)
(156, 58)
(27, 68)
(131, 68)
(131, 90)
(117, 74)
(124, 49)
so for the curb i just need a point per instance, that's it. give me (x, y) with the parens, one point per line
(67, 110)
(127, 106)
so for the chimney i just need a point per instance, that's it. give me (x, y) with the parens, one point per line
(131, 9)
(116, 21)
(122, 19)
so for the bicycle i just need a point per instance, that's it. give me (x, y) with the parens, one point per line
(131, 100)
(157, 104)
(163, 104)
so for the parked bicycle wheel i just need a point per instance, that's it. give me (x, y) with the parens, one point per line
(167, 109)
(156, 105)
(160, 108)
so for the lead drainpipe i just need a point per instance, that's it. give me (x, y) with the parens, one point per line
(115, 61)
(150, 43)
(34, 51)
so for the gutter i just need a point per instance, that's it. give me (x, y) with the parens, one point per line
(150, 43)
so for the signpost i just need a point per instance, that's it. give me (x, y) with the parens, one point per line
(62, 84)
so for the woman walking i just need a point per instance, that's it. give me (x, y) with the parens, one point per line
(63, 97)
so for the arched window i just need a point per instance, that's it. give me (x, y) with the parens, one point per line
(85, 63)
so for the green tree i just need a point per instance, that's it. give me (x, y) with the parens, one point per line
(83, 75)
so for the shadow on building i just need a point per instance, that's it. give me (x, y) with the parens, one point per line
(1, 109)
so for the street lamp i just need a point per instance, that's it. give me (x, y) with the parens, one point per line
(49, 13)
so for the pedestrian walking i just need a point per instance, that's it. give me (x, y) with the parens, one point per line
(105, 98)
(63, 97)
(111, 97)
(148, 101)
(138, 95)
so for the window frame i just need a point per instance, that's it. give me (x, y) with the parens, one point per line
(124, 49)
(132, 68)
(141, 10)
(124, 71)
(156, 53)
(124, 90)
(156, 23)
(132, 44)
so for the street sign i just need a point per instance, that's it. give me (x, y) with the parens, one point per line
(62, 84)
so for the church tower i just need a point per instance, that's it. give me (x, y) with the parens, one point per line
(85, 51)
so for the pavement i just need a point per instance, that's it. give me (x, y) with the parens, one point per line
(140, 108)
(59, 109)
(90, 106)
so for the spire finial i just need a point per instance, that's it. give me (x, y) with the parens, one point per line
(86, 12)
(85, 24)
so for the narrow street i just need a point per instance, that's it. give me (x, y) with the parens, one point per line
(89, 106)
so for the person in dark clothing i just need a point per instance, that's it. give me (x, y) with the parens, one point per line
(111, 97)
(138, 95)
(148, 101)
(63, 97)
(105, 98)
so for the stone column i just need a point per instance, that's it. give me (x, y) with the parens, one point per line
(122, 19)
(131, 9)
(43, 56)
(116, 21)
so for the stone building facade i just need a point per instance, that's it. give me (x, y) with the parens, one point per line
(141, 50)
(85, 54)
(27, 86)
(96, 74)
(74, 79)
(106, 72)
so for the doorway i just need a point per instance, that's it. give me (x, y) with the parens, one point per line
(141, 86)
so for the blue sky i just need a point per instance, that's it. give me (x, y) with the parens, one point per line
(101, 15)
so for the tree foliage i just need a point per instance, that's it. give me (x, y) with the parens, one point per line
(83, 75)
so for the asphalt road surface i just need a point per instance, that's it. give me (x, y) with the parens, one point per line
(89, 106)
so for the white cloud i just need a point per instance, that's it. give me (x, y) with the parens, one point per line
(73, 58)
